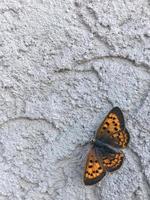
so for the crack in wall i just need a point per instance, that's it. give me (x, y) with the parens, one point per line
(117, 57)
(25, 118)
(99, 58)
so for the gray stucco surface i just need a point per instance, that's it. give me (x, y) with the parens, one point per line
(63, 66)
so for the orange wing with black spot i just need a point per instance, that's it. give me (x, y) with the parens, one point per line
(113, 161)
(121, 138)
(94, 169)
(112, 130)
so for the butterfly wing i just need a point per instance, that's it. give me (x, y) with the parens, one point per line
(112, 160)
(112, 129)
(94, 169)
(121, 138)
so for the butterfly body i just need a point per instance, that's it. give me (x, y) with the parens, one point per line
(105, 154)
(104, 147)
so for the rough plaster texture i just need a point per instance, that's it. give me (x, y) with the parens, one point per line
(63, 66)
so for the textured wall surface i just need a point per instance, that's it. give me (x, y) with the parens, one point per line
(63, 66)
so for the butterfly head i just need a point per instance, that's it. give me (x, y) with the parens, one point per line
(92, 141)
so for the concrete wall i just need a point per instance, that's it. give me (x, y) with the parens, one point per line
(63, 66)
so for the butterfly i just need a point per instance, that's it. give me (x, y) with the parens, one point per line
(105, 154)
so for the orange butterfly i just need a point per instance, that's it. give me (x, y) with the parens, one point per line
(105, 154)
